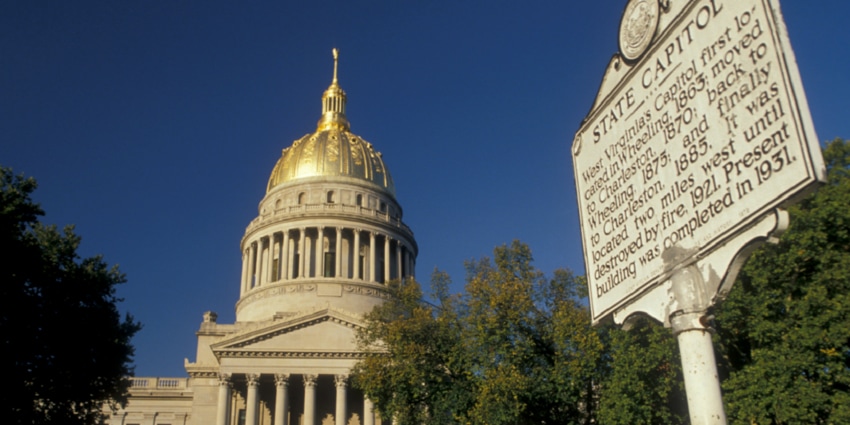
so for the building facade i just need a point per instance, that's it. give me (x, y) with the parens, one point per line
(328, 236)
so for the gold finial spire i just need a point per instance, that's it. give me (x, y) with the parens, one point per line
(333, 104)
(336, 60)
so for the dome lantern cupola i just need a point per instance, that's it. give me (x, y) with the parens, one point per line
(333, 104)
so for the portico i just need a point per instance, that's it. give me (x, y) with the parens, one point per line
(268, 400)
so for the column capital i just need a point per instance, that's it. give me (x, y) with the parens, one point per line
(281, 379)
(310, 380)
(341, 381)
(253, 379)
(224, 379)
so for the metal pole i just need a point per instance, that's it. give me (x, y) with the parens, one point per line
(702, 384)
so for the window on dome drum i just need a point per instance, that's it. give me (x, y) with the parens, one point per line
(240, 420)
(362, 265)
(330, 264)
(359, 200)
(301, 198)
(330, 197)
(383, 207)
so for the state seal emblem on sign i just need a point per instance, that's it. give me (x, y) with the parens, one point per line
(637, 27)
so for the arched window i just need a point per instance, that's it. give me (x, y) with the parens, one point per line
(301, 198)
(330, 197)
(359, 200)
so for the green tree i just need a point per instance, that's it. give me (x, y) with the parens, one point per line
(534, 352)
(784, 331)
(64, 343)
(644, 383)
(415, 369)
(516, 348)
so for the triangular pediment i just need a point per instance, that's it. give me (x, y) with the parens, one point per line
(324, 332)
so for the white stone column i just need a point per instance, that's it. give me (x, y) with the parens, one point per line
(341, 382)
(310, 399)
(223, 399)
(302, 250)
(355, 255)
(242, 284)
(264, 273)
(258, 263)
(320, 253)
(387, 240)
(252, 267)
(284, 256)
(310, 250)
(372, 260)
(368, 411)
(290, 260)
(281, 402)
(252, 405)
(338, 254)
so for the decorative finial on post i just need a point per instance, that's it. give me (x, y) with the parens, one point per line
(336, 60)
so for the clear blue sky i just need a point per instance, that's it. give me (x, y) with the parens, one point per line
(153, 126)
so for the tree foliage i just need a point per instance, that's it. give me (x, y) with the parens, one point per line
(784, 331)
(517, 348)
(644, 384)
(64, 343)
(415, 369)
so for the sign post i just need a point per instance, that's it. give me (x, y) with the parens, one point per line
(699, 135)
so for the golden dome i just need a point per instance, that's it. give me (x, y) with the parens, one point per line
(332, 151)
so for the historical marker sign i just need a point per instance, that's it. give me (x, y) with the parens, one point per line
(706, 130)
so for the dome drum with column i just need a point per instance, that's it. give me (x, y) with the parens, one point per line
(329, 230)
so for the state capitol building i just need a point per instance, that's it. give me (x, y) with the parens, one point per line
(329, 234)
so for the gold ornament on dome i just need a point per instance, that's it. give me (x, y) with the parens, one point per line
(332, 151)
